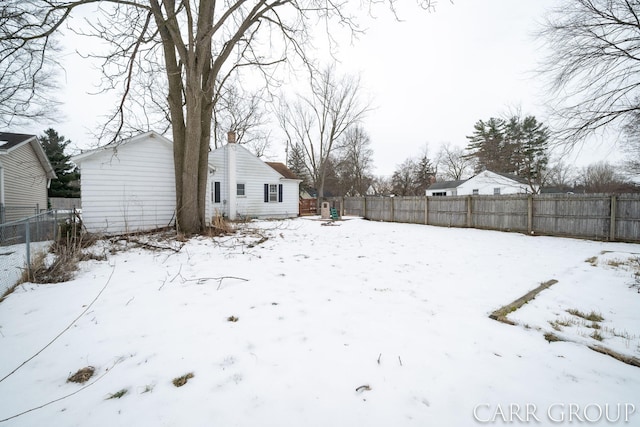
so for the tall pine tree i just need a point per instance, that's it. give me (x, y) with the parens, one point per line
(296, 162)
(54, 146)
(515, 146)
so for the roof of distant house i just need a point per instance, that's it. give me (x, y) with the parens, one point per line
(517, 178)
(10, 140)
(283, 170)
(442, 185)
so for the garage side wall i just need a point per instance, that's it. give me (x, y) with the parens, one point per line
(129, 188)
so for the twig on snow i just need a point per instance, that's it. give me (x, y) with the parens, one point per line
(202, 280)
(63, 397)
(64, 330)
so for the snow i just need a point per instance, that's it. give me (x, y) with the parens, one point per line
(321, 311)
(13, 259)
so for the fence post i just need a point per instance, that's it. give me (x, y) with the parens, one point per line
(27, 241)
(530, 213)
(364, 207)
(426, 210)
(469, 213)
(55, 224)
(393, 208)
(612, 222)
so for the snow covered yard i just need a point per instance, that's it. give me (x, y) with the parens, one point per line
(361, 324)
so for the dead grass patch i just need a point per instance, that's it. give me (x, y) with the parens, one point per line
(220, 226)
(180, 381)
(118, 394)
(592, 316)
(593, 260)
(82, 376)
(550, 337)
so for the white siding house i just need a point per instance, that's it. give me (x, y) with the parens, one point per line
(485, 183)
(128, 186)
(242, 185)
(25, 176)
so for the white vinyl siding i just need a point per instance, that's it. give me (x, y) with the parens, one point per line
(25, 182)
(490, 183)
(254, 173)
(129, 188)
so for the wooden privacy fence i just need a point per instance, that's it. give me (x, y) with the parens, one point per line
(591, 216)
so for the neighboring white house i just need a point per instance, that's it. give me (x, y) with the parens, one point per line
(25, 176)
(243, 185)
(130, 186)
(485, 183)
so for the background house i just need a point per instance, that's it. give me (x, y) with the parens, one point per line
(242, 185)
(25, 176)
(484, 183)
(128, 186)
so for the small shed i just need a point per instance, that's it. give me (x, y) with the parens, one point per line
(25, 176)
(128, 186)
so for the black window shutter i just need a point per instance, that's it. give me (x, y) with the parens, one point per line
(266, 193)
(280, 193)
(216, 191)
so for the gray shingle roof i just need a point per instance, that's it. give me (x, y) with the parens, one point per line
(10, 140)
(442, 185)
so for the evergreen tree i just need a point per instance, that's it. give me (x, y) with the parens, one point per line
(296, 162)
(515, 146)
(424, 175)
(487, 145)
(54, 146)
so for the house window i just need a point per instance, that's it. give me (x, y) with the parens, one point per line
(496, 191)
(273, 192)
(215, 192)
(476, 192)
(240, 190)
(439, 193)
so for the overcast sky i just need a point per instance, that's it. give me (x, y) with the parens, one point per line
(431, 77)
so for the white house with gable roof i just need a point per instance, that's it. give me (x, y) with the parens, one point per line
(484, 183)
(130, 186)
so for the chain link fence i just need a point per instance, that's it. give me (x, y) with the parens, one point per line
(21, 240)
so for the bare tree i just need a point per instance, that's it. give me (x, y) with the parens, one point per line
(403, 178)
(27, 66)
(355, 162)
(318, 122)
(594, 64)
(381, 186)
(243, 113)
(603, 177)
(453, 163)
(561, 175)
(631, 163)
(191, 43)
